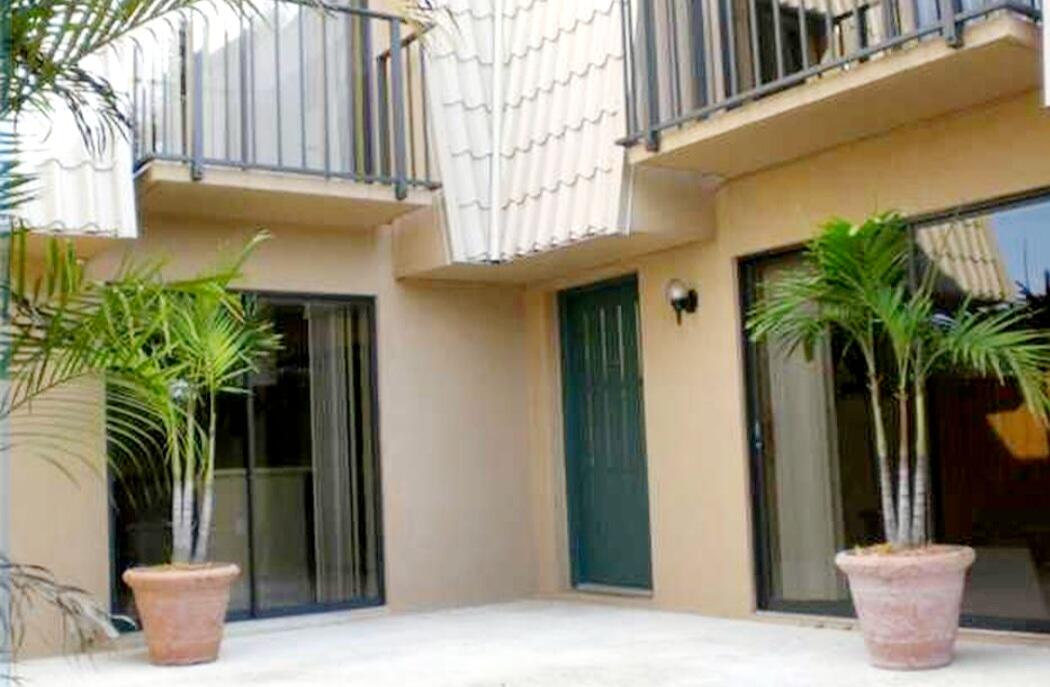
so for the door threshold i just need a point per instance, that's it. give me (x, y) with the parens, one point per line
(613, 590)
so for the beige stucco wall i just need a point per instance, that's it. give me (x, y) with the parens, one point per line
(693, 374)
(59, 517)
(452, 395)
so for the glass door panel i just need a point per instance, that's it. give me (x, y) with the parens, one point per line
(297, 475)
(814, 472)
(230, 535)
(282, 468)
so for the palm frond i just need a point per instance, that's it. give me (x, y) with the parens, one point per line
(423, 15)
(998, 343)
(16, 187)
(85, 622)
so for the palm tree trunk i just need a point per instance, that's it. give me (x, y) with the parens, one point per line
(188, 482)
(889, 520)
(922, 468)
(180, 552)
(200, 553)
(903, 473)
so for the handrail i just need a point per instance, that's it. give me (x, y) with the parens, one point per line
(365, 12)
(722, 66)
(307, 88)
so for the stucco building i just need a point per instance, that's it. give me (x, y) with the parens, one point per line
(489, 396)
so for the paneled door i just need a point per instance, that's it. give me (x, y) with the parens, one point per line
(608, 493)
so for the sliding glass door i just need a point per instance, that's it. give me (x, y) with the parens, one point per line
(297, 483)
(814, 475)
(799, 441)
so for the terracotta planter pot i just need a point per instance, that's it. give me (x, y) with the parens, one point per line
(908, 603)
(182, 609)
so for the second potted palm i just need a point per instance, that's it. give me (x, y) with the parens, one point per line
(187, 343)
(859, 282)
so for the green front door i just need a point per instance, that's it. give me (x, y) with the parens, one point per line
(608, 493)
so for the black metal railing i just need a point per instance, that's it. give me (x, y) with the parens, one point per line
(328, 90)
(689, 59)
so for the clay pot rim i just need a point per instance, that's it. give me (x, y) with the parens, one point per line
(169, 572)
(936, 556)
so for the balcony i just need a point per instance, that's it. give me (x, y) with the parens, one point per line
(728, 87)
(293, 113)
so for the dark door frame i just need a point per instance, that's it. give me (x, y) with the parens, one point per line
(295, 297)
(762, 572)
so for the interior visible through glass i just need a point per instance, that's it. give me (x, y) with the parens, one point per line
(297, 500)
(813, 463)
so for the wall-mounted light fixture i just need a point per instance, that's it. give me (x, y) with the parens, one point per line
(682, 298)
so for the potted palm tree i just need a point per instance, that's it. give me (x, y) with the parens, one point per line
(190, 343)
(859, 281)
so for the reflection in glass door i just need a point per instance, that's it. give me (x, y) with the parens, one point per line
(797, 449)
(814, 475)
(297, 484)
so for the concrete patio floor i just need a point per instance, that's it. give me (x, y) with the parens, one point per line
(545, 644)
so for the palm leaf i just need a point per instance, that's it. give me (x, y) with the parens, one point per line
(1000, 344)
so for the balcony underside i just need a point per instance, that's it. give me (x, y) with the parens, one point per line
(667, 208)
(271, 198)
(999, 57)
(554, 264)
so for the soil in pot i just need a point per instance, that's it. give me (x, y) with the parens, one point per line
(182, 609)
(908, 602)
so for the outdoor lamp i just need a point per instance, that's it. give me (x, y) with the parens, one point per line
(682, 298)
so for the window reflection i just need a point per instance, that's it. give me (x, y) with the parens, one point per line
(990, 458)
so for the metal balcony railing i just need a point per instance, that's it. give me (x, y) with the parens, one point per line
(689, 59)
(329, 90)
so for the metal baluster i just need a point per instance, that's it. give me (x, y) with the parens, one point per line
(302, 91)
(366, 89)
(153, 84)
(778, 42)
(137, 118)
(426, 122)
(734, 79)
(858, 27)
(400, 186)
(652, 136)
(324, 93)
(165, 125)
(243, 76)
(185, 106)
(411, 112)
(277, 78)
(227, 132)
(351, 95)
(829, 29)
(889, 23)
(252, 120)
(384, 118)
(756, 55)
(803, 33)
(197, 154)
(628, 67)
(949, 24)
(675, 75)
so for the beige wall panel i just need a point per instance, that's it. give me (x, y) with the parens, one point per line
(59, 513)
